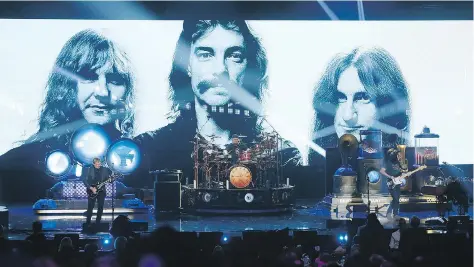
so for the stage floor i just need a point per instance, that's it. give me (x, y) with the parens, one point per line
(308, 214)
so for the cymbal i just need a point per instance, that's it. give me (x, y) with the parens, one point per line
(242, 136)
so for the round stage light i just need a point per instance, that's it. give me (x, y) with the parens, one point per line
(249, 197)
(374, 176)
(206, 197)
(58, 163)
(89, 142)
(123, 156)
(225, 239)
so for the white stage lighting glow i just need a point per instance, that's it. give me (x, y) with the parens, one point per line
(89, 142)
(58, 163)
(123, 156)
(78, 170)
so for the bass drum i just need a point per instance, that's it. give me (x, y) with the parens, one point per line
(240, 176)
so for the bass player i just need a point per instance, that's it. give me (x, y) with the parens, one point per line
(392, 169)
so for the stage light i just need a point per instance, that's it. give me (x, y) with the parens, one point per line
(225, 239)
(106, 241)
(343, 237)
(78, 170)
(123, 156)
(89, 142)
(374, 176)
(207, 197)
(58, 164)
(249, 197)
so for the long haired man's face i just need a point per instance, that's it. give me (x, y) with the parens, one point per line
(217, 61)
(100, 94)
(356, 111)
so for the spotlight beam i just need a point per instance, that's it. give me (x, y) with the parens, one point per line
(68, 74)
(59, 130)
(239, 94)
(390, 129)
(393, 108)
(360, 9)
(328, 11)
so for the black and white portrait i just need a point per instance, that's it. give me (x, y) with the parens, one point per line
(91, 82)
(362, 90)
(161, 82)
(210, 57)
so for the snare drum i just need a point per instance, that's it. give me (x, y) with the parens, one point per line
(240, 176)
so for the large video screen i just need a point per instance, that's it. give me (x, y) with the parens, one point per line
(160, 82)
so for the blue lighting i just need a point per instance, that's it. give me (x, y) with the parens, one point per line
(225, 239)
(106, 241)
(404, 183)
(58, 163)
(374, 176)
(123, 156)
(89, 142)
(343, 238)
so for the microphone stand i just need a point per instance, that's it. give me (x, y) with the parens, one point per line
(368, 189)
(279, 168)
(196, 152)
(113, 196)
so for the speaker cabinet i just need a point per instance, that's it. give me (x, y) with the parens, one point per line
(167, 176)
(369, 175)
(167, 196)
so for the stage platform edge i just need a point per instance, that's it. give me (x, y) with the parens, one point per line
(379, 203)
(238, 201)
(79, 206)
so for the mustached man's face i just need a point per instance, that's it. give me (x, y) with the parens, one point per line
(217, 60)
(100, 93)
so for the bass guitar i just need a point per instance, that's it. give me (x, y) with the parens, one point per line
(402, 178)
(100, 186)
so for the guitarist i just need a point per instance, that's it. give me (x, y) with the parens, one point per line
(95, 175)
(392, 169)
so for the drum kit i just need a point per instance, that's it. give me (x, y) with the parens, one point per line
(255, 166)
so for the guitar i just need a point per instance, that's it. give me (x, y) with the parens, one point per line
(402, 178)
(100, 186)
